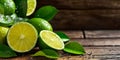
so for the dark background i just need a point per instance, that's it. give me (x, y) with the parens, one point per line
(85, 14)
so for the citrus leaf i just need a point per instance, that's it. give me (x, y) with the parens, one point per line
(63, 36)
(49, 53)
(46, 12)
(74, 48)
(21, 6)
(6, 52)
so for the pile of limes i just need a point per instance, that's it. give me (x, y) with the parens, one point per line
(19, 33)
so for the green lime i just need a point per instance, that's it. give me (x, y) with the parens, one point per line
(74, 48)
(9, 6)
(3, 33)
(49, 53)
(41, 24)
(46, 12)
(22, 37)
(7, 20)
(21, 7)
(6, 52)
(1, 9)
(63, 36)
(49, 39)
(31, 6)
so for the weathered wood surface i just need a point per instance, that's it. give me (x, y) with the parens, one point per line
(87, 19)
(82, 4)
(100, 45)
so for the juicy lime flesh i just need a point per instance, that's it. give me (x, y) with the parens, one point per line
(31, 6)
(51, 39)
(22, 37)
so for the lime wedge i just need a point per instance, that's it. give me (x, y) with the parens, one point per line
(9, 6)
(22, 37)
(46, 12)
(49, 39)
(49, 53)
(74, 48)
(63, 36)
(41, 24)
(3, 33)
(31, 6)
(6, 52)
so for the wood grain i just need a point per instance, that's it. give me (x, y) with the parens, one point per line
(86, 19)
(81, 4)
(102, 34)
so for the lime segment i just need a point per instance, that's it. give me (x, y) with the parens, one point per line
(51, 39)
(31, 6)
(22, 37)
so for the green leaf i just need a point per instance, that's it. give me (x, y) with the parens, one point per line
(74, 47)
(21, 6)
(49, 53)
(6, 52)
(63, 36)
(46, 12)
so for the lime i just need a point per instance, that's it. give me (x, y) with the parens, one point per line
(74, 48)
(22, 37)
(31, 6)
(3, 33)
(49, 39)
(21, 7)
(63, 36)
(46, 12)
(9, 6)
(6, 52)
(1, 9)
(49, 53)
(41, 24)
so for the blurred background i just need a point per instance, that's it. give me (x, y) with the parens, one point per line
(85, 14)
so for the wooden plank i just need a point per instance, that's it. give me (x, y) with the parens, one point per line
(74, 34)
(86, 19)
(81, 4)
(102, 34)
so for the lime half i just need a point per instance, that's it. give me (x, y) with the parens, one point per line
(31, 6)
(22, 37)
(50, 39)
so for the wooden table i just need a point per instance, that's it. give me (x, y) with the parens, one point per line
(99, 45)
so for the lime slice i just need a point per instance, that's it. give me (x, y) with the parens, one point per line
(9, 6)
(50, 40)
(46, 12)
(49, 53)
(22, 37)
(3, 33)
(31, 6)
(74, 48)
(63, 36)
(41, 24)
(6, 52)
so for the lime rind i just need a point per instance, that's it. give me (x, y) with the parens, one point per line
(32, 46)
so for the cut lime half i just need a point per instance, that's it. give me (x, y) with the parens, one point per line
(22, 37)
(50, 39)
